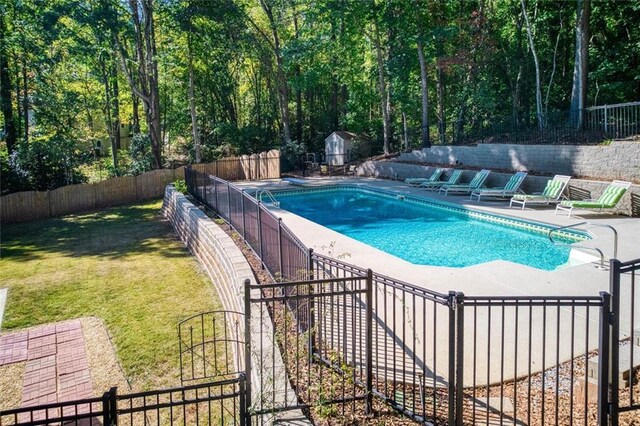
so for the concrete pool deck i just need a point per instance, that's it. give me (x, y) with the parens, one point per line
(497, 278)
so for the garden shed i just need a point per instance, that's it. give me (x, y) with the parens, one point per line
(339, 147)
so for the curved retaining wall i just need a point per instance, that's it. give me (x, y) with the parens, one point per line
(227, 268)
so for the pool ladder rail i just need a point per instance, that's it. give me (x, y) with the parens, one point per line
(615, 240)
(270, 197)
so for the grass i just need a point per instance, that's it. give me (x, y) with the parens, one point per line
(123, 265)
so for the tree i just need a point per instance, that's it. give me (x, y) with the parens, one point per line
(579, 86)
(5, 90)
(145, 83)
(539, 113)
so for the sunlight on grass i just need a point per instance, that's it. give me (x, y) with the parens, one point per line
(123, 265)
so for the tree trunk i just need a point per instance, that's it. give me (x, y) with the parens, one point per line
(281, 79)
(25, 98)
(192, 106)
(579, 88)
(115, 105)
(539, 114)
(406, 131)
(386, 121)
(426, 143)
(108, 113)
(5, 92)
(442, 120)
(146, 86)
(299, 118)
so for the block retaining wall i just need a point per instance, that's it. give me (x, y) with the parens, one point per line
(227, 268)
(618, 160)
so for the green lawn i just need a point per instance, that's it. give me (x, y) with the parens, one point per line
(123, 265)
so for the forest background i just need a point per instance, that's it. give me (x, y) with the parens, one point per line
(98, 88)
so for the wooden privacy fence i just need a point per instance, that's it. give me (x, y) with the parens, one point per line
(34, 205)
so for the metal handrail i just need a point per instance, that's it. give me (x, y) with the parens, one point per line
(615, 239)
(269, 195)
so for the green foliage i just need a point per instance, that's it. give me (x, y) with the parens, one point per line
(181, 185)
(140, 154)
(291, 154)
(46, 163)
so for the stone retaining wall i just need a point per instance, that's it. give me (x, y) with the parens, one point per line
(619, 160)
(578, 188)
(227, 268)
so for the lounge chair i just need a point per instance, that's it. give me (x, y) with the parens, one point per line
(552, 193)
(509, 190)
(419, 181)
(475, 183)
(453, 179)
(608, 200)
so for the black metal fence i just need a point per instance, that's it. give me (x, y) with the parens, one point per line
(437, 358)
(215, 403)
(558, 128)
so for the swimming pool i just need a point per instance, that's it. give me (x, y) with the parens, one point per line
(428, 233)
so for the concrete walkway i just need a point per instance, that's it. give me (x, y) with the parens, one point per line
(497, 278)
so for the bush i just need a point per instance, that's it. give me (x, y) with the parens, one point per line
(140, 154)
(45, 163)
(181, 185)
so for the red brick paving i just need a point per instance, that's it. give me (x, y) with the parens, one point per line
(57, 369)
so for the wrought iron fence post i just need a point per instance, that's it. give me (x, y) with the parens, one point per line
(229, 201)
(280, 255)
(259, 215)
(247, 343)
(106, 414)
(215, 196)
(605, 392)
(242, 390)
(312, 306)
(113, 407)
(459, 307)
(368, 408)
(614, 338)
(452, 358)
(244, 226)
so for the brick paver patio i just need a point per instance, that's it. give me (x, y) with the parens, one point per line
(56, 369)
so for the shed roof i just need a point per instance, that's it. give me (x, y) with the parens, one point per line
(348, 136)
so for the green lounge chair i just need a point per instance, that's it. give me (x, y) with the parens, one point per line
(453, 179)
(608, 200)
(419, 181)
(509, 190)
(552, 193)
(475, 183)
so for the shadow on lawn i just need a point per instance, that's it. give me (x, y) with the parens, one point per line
(112, 233)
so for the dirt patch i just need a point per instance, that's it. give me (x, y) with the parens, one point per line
(106, 371)
(11, 385)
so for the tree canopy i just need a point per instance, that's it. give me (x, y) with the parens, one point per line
(156, 82)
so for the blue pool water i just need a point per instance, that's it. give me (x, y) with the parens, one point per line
(422, 234)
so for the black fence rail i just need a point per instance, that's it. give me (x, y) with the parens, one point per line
(214, 403)
(437, 358)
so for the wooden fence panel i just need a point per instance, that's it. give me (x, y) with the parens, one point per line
(152, 184)
(71, 199)
(115, 191)
(24, 206)
(33, 205)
